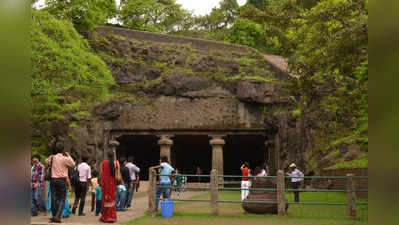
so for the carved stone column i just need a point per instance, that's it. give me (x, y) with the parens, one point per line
(165, 142)
(113, 145)
(217, 155)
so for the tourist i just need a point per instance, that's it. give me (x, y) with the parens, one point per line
(93, 186)
(296, 179)
(199, 173)
(245, 171)
(81, 189)
(179, 180)
(133, 169)
(184, 183)
(258, 172)
(126, 179)
(59, 164)
(164, 184)
(121, 196)
(37, 184)
(108, 188)
(66, 211)
(97, 192)
(265, 170)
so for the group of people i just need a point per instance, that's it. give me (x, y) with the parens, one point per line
(296, 174)
(112, 188)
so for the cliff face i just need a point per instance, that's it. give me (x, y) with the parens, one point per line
(188, 86)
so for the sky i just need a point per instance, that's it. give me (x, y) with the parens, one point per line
(198, 7)
(202, 7)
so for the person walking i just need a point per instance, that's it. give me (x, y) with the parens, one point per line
(94, 184)
(108, 169)
(164, 183)
(245, 171)
(126, 180)
(265, 170)
(66, 211)
(179, 181)
(133, 169)
(81, 188)
(97, 192)
(121, 198)
(59, 164)
(295, 180)
(37, 184)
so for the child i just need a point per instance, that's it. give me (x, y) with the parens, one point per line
(178, 180)
(92, 189)
(121, 196)
(97, 192)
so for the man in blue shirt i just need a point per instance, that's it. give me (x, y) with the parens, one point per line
(164, 184)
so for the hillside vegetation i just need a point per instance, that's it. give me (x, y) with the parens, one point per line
(324, 41)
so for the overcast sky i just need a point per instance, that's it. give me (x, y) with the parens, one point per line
(202, 7)
(199, 7)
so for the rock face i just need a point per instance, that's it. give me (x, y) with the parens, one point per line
(174, 86)
(267, 196)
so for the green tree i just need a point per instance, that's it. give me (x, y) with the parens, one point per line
(247, 32)
(67, 77)
(84, 14)
(152, 15)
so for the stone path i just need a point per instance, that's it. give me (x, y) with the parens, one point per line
(138, 209)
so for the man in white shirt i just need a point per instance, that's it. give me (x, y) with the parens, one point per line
(295, 180)
(133, 169)
(81, 189)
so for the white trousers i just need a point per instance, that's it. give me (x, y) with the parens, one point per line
(244, 193)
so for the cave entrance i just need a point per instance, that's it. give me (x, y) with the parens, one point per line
(144, 148)
(243, 148)
(191, 151)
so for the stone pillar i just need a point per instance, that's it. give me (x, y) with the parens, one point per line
(217, 155)
(271, 161)
(165, 142)
(113, 145)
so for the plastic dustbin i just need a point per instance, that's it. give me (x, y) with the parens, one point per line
(167, 208)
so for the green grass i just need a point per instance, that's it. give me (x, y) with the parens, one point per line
(232, 213)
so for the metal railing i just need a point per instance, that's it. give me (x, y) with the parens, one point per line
(281, 190)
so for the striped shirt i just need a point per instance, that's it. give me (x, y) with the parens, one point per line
(38, 174)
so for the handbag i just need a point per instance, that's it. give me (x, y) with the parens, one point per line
(48, 171)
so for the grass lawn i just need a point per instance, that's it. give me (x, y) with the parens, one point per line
(194, 213)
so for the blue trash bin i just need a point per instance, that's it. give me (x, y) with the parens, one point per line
(167, 208)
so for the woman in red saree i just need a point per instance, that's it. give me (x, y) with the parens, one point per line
(108, 188)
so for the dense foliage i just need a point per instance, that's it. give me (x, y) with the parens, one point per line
(67, 76)
(324, 41)
(84, 14)
(153, 15)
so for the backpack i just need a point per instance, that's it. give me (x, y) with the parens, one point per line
(74, 177)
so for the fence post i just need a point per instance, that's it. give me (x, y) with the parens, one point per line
(281, 193)
(152, 188)
(214, 192)
(351, 196)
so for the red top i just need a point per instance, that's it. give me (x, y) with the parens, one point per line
(245, 172)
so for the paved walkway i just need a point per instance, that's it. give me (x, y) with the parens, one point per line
(138, 209)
